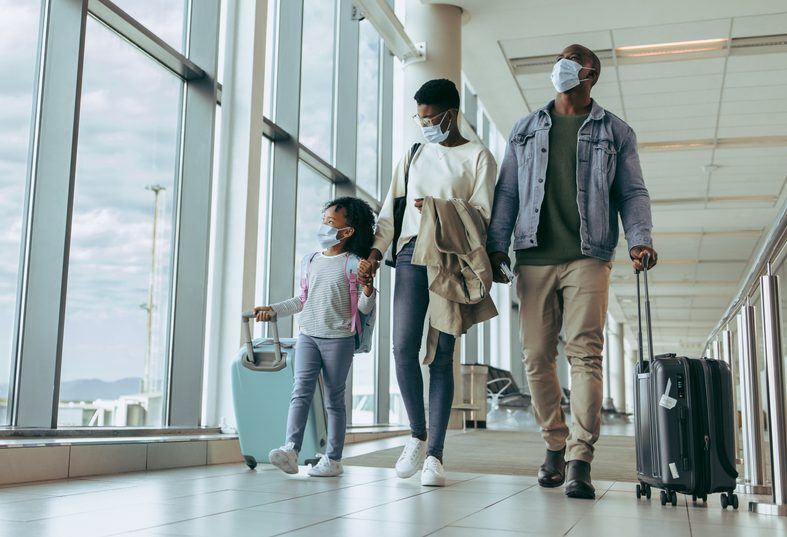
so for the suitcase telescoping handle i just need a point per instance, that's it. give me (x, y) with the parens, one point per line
(246, 320)
(645, 261)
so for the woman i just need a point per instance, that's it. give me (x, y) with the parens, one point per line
(448, 166)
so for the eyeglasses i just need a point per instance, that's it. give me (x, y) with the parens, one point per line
(429, 121)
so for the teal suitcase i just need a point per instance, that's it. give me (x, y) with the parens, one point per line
(261, 390)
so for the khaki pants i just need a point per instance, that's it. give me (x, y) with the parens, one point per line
(573, 296)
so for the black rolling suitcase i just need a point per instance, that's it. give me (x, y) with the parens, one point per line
(684, 423)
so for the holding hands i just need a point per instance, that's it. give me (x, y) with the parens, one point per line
(366, 271)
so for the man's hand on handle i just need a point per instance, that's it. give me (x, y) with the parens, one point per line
(498, 258)
(638, 252)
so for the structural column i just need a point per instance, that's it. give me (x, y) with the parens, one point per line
(751, 413)
(777, 421)
(440, 28)
(237, 197)
(618, 369)
(615, 381)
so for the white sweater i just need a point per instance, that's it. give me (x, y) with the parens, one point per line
(465, 172)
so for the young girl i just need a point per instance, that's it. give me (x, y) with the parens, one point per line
(327, 334)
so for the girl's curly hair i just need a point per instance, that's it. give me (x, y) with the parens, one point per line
(361, 218)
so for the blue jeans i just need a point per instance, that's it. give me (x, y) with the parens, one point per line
(334, 357)
(411, 299)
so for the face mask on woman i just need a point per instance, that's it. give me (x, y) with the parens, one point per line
(434, 134)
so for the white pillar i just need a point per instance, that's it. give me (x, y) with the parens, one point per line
(630, 367)
(440, 27)
(618, 369)
(237, 199)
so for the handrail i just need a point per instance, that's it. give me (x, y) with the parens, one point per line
(770, 247)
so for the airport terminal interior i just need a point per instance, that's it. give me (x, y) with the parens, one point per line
(164, 167)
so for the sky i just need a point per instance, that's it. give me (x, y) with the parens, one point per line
(18, 43)
(127, 140)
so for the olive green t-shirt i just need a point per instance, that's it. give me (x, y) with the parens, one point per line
(558, 226)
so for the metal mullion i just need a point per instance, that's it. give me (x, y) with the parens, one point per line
(285, 156)
(192, 229)
(345, 123)
(52, 177)
(273, 132)
(323, 167)
(385, 169)
(139, 36)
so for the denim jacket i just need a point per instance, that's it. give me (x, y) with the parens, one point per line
(609, 181)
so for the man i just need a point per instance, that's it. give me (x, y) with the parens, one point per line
(569, 169)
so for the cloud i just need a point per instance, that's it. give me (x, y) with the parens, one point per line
(128, 139)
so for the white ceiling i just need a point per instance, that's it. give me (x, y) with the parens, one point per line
(712, 133)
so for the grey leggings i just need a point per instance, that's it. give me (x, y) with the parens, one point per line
(333, 356)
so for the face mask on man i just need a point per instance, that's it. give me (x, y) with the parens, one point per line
(434, 134)
(328, 236)
(565, 75)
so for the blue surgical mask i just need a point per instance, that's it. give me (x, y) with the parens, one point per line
(565, 75)
(327, 236)
(435, 134)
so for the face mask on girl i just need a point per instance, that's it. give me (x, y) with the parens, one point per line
(328, 236)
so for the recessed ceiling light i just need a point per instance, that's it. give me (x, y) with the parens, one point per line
(677, 47)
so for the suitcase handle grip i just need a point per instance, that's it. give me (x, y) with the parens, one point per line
(247, 317)
(649, 325)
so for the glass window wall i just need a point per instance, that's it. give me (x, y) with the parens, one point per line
(317, 76)
(368, 108)
(19, 30)
(115, 346)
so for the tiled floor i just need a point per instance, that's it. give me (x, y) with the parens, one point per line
(232, 501)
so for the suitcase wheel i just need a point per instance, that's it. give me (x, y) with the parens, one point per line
(251, 462)
(729, 500)
(643, 489)
(669, 496)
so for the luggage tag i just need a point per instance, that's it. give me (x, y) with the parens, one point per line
(666, 401)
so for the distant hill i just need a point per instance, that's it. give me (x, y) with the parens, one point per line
(91, 389)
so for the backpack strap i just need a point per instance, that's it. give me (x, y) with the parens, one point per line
(351, 271)
(306, 265)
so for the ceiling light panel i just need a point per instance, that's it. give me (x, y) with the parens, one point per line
(670, 34)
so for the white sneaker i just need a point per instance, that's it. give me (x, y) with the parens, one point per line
(326, 468)
(412, 458)
(433, 474)
(285, 458)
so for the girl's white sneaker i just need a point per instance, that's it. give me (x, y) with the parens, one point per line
(326, 468)
(285, 458)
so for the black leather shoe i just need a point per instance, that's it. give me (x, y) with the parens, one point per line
(579, 484)
(553, 472)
